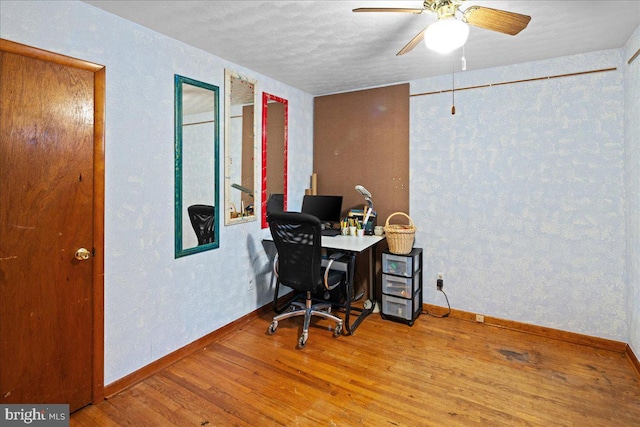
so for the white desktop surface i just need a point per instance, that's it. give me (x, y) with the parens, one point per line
(354, 244)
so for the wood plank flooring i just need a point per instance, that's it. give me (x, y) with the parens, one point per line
(440, 372)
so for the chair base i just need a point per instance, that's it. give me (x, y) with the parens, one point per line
(307, 310)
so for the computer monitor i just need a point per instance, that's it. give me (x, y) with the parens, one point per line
(275, 203)
(326, 208)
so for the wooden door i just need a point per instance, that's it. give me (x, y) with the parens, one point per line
(46, 215)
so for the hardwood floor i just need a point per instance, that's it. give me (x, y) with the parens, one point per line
(440, 372)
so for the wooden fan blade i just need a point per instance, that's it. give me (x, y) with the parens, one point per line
(388, 9)
(496, 20)
(413, 43)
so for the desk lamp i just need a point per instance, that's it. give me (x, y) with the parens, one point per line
(368, 304)
(365, 193)
(243, 189)
(367, 196)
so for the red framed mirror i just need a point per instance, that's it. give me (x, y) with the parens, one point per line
(275, 131)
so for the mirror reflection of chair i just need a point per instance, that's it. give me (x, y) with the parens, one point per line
(298, 265)
(202, 219)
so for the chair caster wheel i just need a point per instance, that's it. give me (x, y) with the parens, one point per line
(302, 341)
(272, 328)
(337, 331)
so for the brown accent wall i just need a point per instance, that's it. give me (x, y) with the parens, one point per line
(362, 138)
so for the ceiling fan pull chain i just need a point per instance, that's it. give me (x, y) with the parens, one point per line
(463, 60)
(453, 88)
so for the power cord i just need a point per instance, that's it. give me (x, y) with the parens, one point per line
(448, 306)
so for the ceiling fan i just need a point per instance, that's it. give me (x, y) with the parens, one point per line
(450, 31)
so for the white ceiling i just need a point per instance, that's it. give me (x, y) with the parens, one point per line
(323, 47)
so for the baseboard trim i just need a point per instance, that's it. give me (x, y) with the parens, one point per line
(146, 371)
(571, 337)
(633, 359)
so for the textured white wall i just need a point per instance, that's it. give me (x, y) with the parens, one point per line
(632, 181)
(154, 303)
(519, 197)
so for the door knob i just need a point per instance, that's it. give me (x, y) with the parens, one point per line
(83, 254)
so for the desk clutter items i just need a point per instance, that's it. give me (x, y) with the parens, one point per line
(367, 218)
(400, 236)
(402, 286)
(351, 227)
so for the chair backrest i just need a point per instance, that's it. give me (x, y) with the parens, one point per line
(202, 217)
(275, 203)
(297, 237)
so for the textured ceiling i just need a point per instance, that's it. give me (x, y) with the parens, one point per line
(323, 47)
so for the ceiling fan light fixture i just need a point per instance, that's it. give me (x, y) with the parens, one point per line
(446, 35)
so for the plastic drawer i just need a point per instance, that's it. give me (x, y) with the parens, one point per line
(400, 286)
(402, 265)
(400, 307)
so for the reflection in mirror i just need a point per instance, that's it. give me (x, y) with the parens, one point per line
(240, 149)
(196, 166)
(275, 131)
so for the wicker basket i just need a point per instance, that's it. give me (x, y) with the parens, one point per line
(399, 236)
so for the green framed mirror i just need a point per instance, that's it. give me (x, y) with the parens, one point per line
(197, 162)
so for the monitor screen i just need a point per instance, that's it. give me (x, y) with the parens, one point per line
(325, 208)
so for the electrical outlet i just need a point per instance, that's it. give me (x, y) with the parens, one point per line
(440, 281)
(479, 318)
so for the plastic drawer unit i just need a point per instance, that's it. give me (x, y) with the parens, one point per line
(402, 286)
(402, 265)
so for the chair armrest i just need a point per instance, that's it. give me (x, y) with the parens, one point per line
(275, 265)
(326, 274)
(340, 263)
(337, 261)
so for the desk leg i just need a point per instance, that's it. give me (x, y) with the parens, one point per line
(372, 280)
(368, 308)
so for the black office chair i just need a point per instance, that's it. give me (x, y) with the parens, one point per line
(275, 203)
(202, 217)
(298, 265)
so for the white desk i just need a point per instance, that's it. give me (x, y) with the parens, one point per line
(353, 245)
(350, 243)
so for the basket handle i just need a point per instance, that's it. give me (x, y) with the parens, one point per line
(398, 213)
